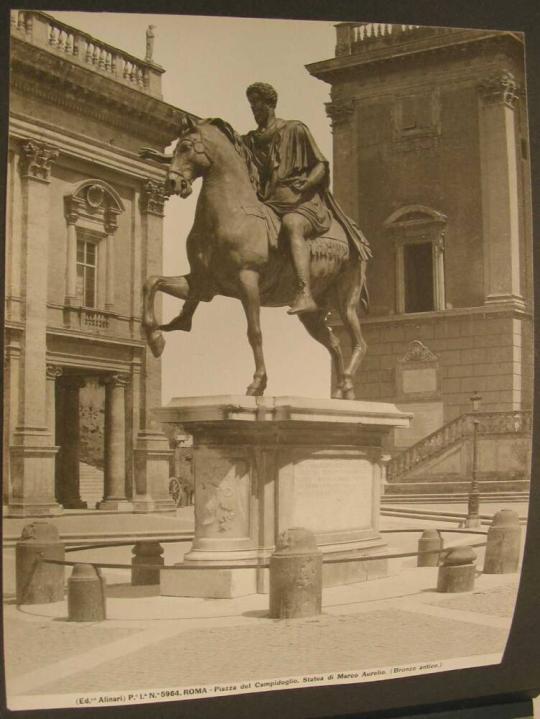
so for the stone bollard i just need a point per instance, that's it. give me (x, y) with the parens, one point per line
(38, 582)
(146, 553)
(86, 594)
(295, 576)
(430, 540)
(503, 544)
(457, 570)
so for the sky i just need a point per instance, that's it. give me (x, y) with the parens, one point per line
(209, 62)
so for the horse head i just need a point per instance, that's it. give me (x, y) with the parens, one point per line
(189, 160)
(199, 145)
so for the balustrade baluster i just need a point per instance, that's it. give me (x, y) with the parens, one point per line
(95, 55)
(125, 72)
(101, 59)
(52, 35)
(113, 63)
(69, 44)
(76, 45)
(28, 21)
(88, 51)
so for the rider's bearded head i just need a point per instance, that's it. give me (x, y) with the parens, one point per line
(264, 91)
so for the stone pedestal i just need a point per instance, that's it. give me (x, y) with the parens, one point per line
(263, 465)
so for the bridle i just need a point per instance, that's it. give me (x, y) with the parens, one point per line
(198, 147)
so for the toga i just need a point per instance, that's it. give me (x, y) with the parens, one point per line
(286, 152)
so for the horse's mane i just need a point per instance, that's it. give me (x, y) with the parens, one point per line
(240, 147)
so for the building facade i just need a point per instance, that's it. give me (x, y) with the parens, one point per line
(84, 230)
(431, 159)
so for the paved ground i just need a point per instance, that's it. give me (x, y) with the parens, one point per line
(151, 642)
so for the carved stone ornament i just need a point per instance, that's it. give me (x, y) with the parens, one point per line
(340, 111)
(418, 352)
(116, 380)
(95, 196)
(53, 371)
(153, 197)
(500, 87)
(37, 159)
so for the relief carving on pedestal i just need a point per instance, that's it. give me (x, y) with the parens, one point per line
(222, 489)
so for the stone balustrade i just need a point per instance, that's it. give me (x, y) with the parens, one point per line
(356, 37)
(489, 423)
(80, 47)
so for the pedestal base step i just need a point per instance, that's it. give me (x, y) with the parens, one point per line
(208, 582)
(215, 583)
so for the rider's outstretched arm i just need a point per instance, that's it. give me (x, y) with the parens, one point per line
(148, 153)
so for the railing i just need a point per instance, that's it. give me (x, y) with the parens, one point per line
(513, 422)
(96, 319)
(42, 29)
(355, 37)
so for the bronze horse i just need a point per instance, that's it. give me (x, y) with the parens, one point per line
(233, 250)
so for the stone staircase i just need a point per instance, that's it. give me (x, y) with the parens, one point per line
(440, 465)
(91, 484)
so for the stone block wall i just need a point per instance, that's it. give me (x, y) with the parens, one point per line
(483, 351)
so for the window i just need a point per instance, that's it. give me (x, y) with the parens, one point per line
(418, 233)
(87, 272)
(418, 277)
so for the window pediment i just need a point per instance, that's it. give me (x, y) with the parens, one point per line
(96, 201)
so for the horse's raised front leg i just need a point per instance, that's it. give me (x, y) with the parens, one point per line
(183, 320)
(249, 294)
(315, 324)
(175, 286)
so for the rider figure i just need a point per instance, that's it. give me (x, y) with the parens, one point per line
(294, 178)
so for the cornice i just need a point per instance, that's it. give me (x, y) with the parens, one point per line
(503, 310)
(84, 148)
(447, 42)
(54, 79)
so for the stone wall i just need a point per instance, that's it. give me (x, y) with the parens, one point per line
(477, 351)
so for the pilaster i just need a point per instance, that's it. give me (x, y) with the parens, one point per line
(341, 112)
(32, 449)
(152, 451)
(498, 95)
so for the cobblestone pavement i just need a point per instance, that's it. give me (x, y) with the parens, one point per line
(189, 642)
(149, 641)
(289, 648)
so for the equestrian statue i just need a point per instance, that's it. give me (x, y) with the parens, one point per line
(267, 231)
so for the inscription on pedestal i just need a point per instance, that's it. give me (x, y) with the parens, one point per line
(333, 493)
(222, 490)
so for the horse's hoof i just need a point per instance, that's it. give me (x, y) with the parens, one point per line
(256, 388)
(156, 342)
(255, 391)
(338, 394)
(349, 394)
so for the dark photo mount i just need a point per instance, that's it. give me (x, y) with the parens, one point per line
(501, 691)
